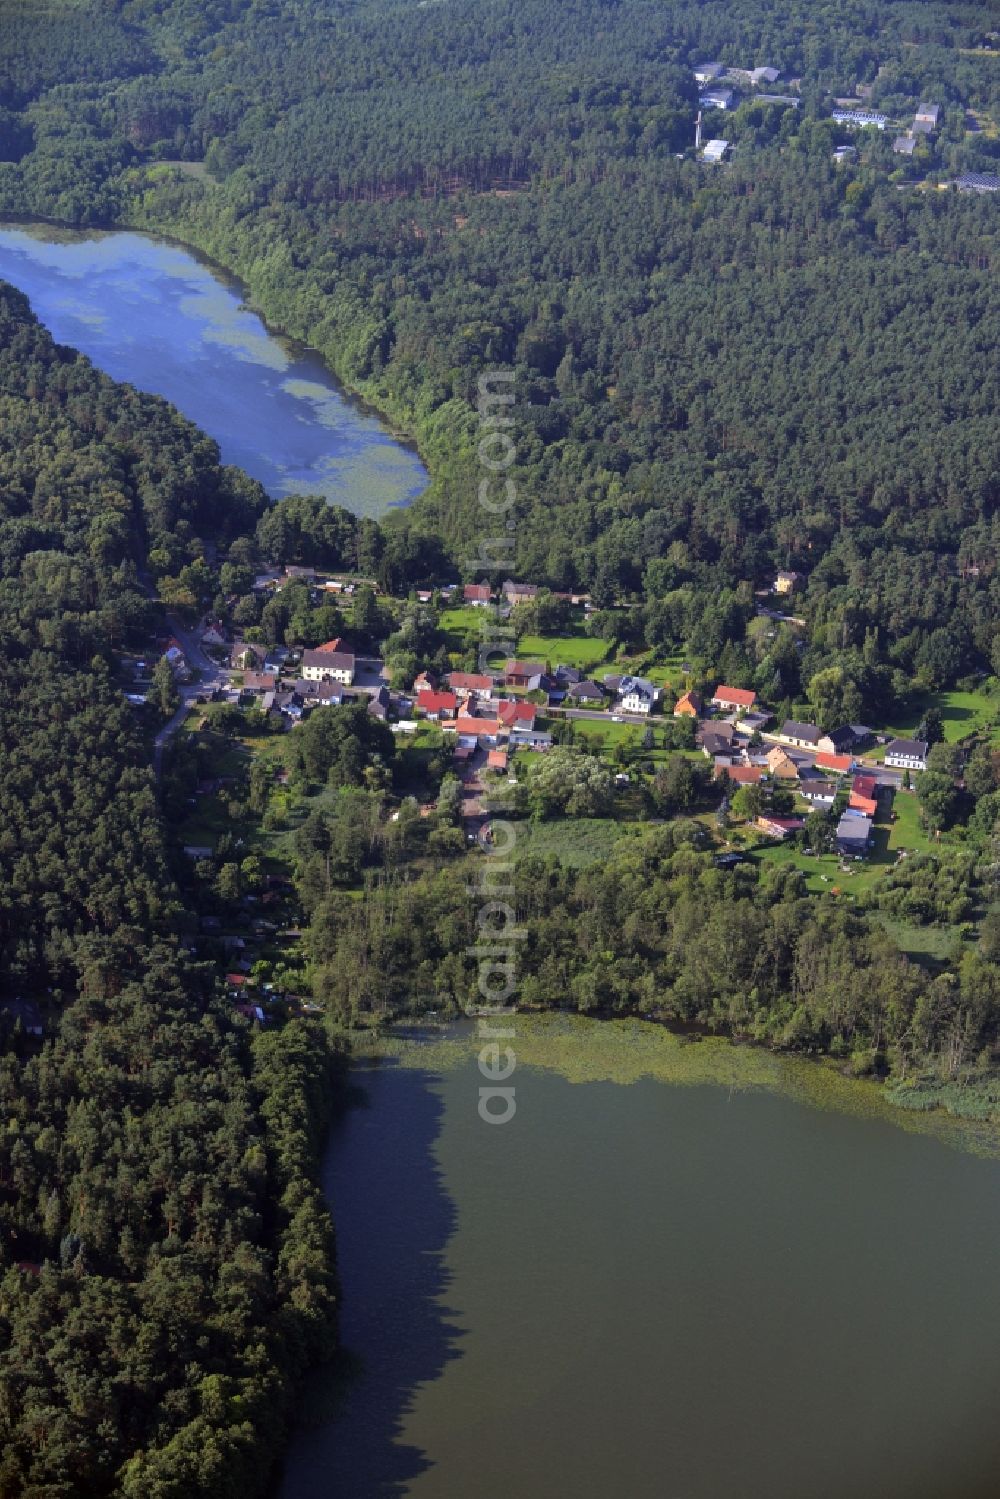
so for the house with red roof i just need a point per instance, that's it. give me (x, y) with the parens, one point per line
(478, 728)
(477, 594)
(839, 764)
(497, 759)
(730, 698)
(468, 681)
(741, 775)
(780, 827)
(437, 704)
(688, 705)
(516, 715)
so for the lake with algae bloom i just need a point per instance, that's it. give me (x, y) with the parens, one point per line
(151, 314)
(683, 1270)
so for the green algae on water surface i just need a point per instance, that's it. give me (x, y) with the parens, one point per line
(585, 1050)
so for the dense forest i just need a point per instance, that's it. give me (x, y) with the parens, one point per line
(166, 1260)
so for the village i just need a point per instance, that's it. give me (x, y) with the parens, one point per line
(770, 785)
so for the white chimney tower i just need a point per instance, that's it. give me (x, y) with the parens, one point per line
(697, 132)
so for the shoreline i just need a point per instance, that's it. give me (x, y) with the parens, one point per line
(630, 1047)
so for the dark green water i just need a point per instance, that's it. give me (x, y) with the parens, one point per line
(151, 314)
(653, 1291)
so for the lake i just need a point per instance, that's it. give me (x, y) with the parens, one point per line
(152, 314)
(663, 1279)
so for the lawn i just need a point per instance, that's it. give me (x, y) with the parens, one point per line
(962, 713)
(610, 733)
(575, 649)
(465, 618)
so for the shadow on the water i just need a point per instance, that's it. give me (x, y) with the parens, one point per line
(393, 1217)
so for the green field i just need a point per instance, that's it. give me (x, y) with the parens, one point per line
(576, 649)
(962, 713)
(576, 842)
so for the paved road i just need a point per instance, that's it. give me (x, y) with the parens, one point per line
(210, 677)
(605, 717)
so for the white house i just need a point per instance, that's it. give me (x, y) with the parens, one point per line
(327, 664)
(717, 98)
(907, 754)
(715, 150)
(708, 72)
(804, 735)
(857, 119)
(636, 695)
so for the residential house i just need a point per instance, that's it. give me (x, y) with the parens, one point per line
(838, 741)
(866, 786)
(586, 691)
(532, 739)
(717, 729)
(470, 682)
(477, 594)
(688, 705)
(925, 121)
(729, 698)
(516, 715)
(752, 723)
(907, 754)
(379, 703)
(259, 681)
(467, 726)
(786, 582)
(524, 674)
(715, 150)
(518, 593)
(854, 835)
(708, 72)
(802, 735)
(425, 682)
(328, 663)
(715, 745)
(819, 793)
(779, 827)
(438, 704)
(864, 737)
(496, 760)
(764, 75)
(781, 765)
(839, 765)
(326, 694)
(636, 695)
(904, 145)
(742, 775)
